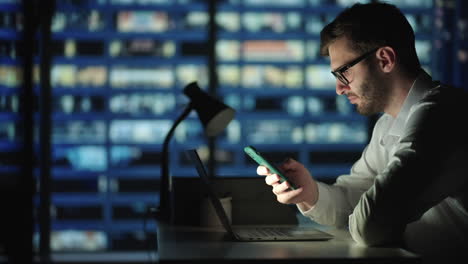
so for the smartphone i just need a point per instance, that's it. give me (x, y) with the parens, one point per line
(255, 155)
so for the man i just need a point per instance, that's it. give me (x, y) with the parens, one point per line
(410, 186)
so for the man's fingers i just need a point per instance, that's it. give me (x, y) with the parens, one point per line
(280, 188)
(290, 197)
(272, 179)
(262, 170)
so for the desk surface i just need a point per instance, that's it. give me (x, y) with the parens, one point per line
(185, 244)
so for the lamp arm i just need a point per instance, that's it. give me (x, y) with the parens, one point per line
(164, 213)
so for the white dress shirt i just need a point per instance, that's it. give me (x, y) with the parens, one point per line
(410, 186)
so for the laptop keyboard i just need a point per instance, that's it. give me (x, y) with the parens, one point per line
(268, 232)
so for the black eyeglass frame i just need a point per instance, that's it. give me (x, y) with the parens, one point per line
(338, 73)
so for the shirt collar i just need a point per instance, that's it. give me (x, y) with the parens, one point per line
(422, 83)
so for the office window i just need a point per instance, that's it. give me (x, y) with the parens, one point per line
(117, 75)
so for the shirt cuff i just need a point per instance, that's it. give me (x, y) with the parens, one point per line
(323, 202)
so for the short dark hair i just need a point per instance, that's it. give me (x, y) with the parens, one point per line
(374, 25)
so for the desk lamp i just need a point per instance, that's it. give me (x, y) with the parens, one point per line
(213, 114)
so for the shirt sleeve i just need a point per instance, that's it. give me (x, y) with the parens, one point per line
(428, 166)
(336, 202)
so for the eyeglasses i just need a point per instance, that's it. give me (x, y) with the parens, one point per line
(341, 71)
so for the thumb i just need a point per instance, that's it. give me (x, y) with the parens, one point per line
(289, 163)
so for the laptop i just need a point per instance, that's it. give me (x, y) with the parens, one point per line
(253, 233)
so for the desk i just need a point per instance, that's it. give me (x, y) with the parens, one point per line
(190, 244)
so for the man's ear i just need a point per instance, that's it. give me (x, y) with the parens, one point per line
(386, 56)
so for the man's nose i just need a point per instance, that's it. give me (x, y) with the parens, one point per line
(341, 87)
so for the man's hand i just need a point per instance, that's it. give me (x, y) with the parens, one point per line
(305, 196)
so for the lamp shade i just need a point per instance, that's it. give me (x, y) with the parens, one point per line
(213, 114)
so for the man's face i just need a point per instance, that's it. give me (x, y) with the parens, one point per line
(367, 88)
(373, 92)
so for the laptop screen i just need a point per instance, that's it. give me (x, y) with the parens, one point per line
(205, 179)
